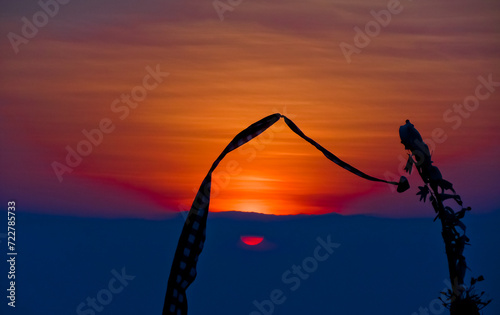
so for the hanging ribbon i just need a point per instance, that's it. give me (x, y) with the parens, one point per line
(192, 239)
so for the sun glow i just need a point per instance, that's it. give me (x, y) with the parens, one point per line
(251, 205)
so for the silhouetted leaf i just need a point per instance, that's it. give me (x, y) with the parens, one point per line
(424, 191)
(409, 164)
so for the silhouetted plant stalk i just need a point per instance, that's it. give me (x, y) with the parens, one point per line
(460, 299)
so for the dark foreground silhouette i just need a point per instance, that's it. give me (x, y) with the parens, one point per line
(193, 235)
(461, 300)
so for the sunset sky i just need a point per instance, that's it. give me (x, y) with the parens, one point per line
(263, 57)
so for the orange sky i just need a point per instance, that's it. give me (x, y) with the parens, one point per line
(265, 57)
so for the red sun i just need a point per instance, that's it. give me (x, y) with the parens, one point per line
(252, 240)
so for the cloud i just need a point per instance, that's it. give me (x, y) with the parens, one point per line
(263, 58)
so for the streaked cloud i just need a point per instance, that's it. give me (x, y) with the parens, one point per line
(265, 57)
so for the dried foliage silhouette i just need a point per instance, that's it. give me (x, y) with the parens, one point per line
(460, 299)
(183, 271)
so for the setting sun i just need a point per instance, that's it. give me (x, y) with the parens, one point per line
(251, 240)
